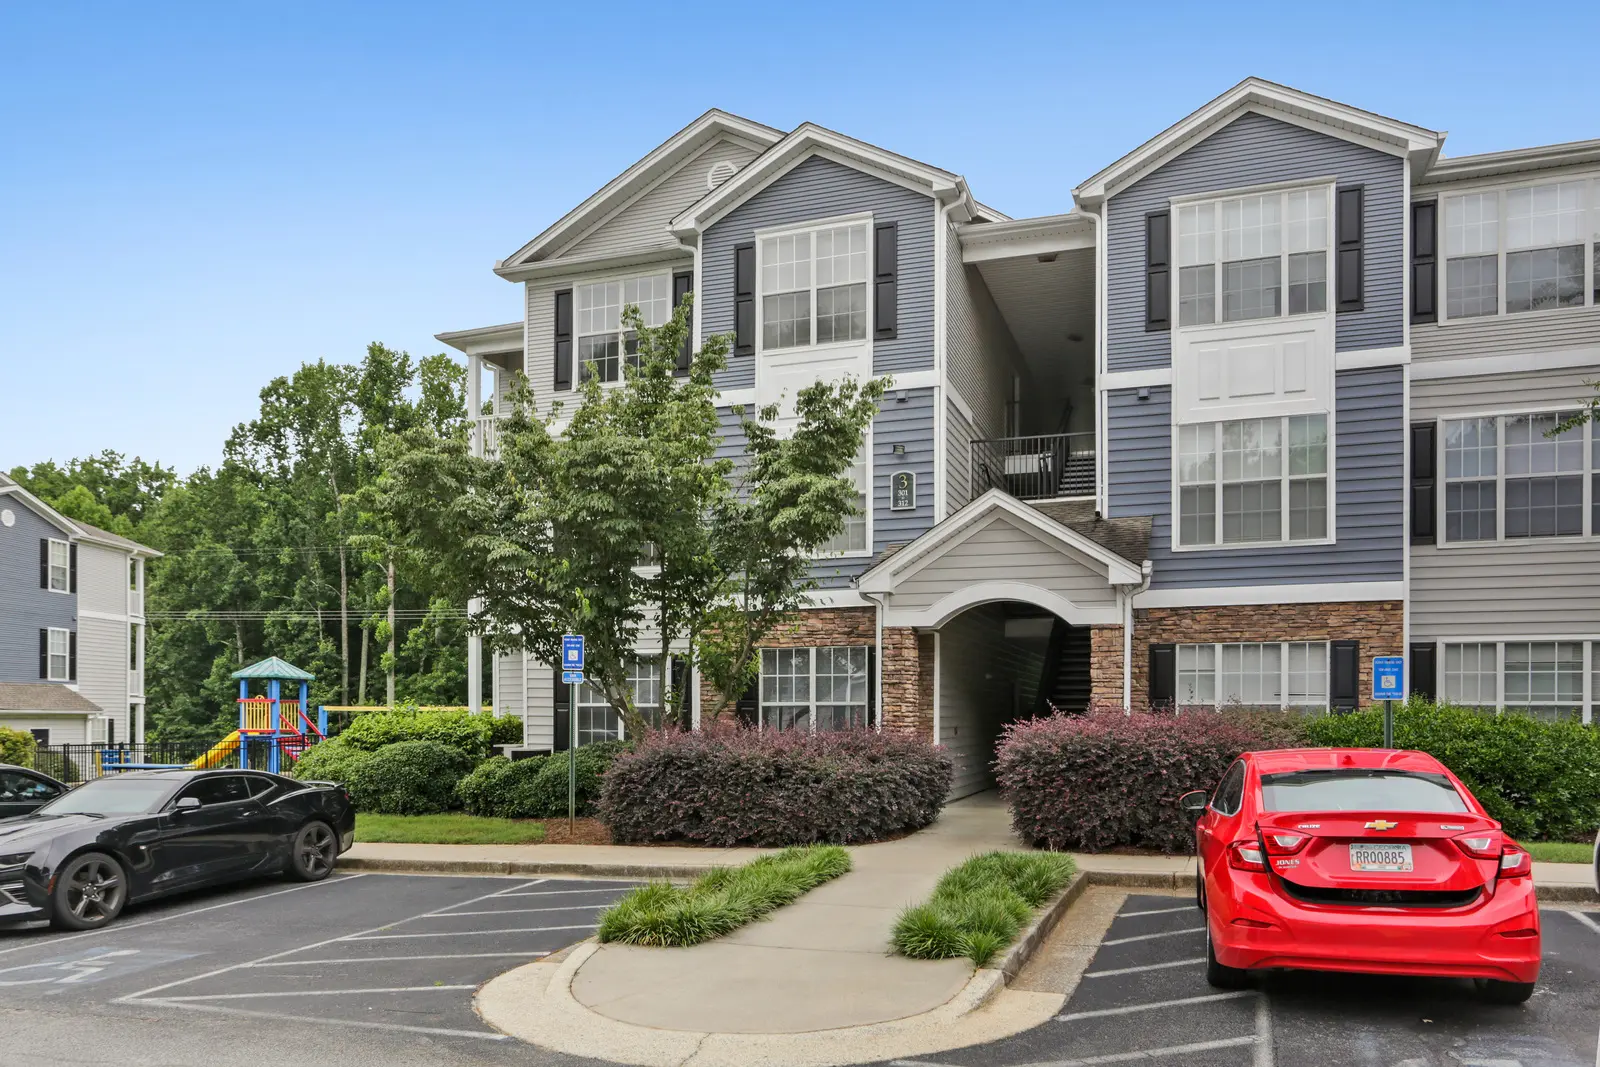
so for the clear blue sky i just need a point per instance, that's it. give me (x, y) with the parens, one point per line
(195, 198)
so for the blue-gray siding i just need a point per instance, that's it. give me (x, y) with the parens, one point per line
(1368, 488)
(1255, 150)
(25, 609)
(817, 189)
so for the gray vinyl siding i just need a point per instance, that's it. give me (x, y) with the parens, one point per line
(102, 580)
(539, 712)
(1256, 150)
(1534, 333)
(1526, 588)
(27, 608)
(1005, 551)
(984, 680)
(64, 729)
(959, 435)
(103, 666)
(1369, 492)
(817, 189)
(980, 353)
(644, 222)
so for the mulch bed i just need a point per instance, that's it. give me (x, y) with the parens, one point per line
(584, 832)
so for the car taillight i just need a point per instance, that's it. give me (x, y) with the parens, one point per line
(1479, 846)
(1283, 842)
(1246, 856)
(1515, 863)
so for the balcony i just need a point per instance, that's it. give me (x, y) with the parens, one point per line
(1040, 467)
(485, 437)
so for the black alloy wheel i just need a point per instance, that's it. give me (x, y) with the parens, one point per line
(312, 855)
(89, 892)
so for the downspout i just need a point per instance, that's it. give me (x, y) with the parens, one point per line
(1102, 495)
(877, 600)
(1128, 593)
(941, 320)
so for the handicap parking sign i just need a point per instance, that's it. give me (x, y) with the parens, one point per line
(1388, 677)
(572, 652)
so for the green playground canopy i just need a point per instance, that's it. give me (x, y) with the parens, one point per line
(273, 667)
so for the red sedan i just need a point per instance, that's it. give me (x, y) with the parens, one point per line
(1362, 860)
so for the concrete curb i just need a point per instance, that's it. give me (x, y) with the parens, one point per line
(678, 872)
(1044, 921)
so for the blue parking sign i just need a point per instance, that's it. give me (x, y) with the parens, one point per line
(1388, 678)
(572, 652)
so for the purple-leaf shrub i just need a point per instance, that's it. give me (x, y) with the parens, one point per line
(1108, 779)
(728, 786)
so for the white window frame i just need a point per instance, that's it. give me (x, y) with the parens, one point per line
(1215, 201)
(812, 227)
(866, 511)
(65, 566)
(1284, 672)
(590, 699)
(622, 331)
(1589, 646)
(1589, 237)
(812, 702)
(65, 655)
(1590, 439)
(1284, 478)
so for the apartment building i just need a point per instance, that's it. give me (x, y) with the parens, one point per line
(1266, 400)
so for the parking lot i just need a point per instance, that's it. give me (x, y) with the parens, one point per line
(393, 957)
(1143, 999)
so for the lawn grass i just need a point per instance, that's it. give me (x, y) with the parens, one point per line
(1561, 851)
(719, 901)
(980, 907)
(454, 828)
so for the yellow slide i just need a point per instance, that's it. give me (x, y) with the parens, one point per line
(221, 751)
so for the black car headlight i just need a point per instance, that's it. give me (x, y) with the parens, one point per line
(13, 862)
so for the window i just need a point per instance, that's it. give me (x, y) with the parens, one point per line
(1270, 476)
(1472, 675)
(1256, 674)
(1230, 791)
(853, 537)
(814, 688)
(1520, 249)
(134, 646)
(60, 566)
(1254, 257)
(60, 655)
(602, 341)
(599, 721)
(1360, 790)
(814, 286)
(1545, 678)
(1505, 479)
(222, 789)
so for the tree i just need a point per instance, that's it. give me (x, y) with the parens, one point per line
(626, 526)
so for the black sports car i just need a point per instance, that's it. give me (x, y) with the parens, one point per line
(23, 789)
(79, 859)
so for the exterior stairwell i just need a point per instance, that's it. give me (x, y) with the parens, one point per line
(1064, 682)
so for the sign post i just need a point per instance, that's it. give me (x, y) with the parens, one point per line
(1388, 685)
(572, 674)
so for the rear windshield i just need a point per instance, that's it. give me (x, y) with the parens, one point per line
(1353, 789)
(111, 796)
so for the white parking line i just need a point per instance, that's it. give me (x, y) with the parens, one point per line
(1157, 911)
(1586, 920)
(558, 892)
(1265, 1056)
(317, 992)
(358, 1024)
(1115, 1057)
(455, 933)
(1132, 1009)
(513, 911)
(1152, 937)
(1146, 967)
(405, 959)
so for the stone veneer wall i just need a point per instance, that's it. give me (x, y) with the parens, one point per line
(1105, 665)
(907, 665)
(1378, 625)
(817, 627)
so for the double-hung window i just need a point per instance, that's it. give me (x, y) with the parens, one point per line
(1253, 257)
(1253, 480)
(814, 688)
(603, 344)
(1254, 674)
(1528, 248)
(599, 721)
(814, 286)
(852, 539)
(60, 566)
(1505, 479)
(1539, 678)
(59, 654)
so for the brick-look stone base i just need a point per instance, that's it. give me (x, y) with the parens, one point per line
(1378, 625)
(907, 668)
(820, 627)
(1105, 665)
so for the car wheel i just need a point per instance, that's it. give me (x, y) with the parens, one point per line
(315, 848)
(1498, 992)
(89, 892)
(1217, 975)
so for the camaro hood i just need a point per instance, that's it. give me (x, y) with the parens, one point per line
(31, 831)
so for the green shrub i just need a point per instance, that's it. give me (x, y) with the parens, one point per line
(507, 730)
(408, 778)
(536, 788)
(1540, 779)
(16, 747)
(327, 761)
(473, 734)
(980, 907)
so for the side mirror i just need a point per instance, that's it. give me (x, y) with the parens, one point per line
(1193, 802)
(186, 804)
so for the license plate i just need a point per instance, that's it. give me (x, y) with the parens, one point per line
(1380, 857)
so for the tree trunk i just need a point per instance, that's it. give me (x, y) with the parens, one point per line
(238, 642)
(361, 679)
(344, 629)
(389, 680)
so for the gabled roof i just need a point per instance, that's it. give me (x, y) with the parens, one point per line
(481, 339)
(807, 140)
(638, 178)
(75, 529)
(1516, 160)
(1277, 101)
(273, 667)
(44, 696)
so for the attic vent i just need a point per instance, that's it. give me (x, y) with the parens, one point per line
(720, 172)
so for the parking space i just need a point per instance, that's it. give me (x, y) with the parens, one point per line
(1144, 998)
(396, 952)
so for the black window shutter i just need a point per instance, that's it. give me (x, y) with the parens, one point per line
(744, 299)
(563, 713)
(72, 569)
(1163, 676)
(680, 681)
(872, 689)
(44, 563)
(1348, 227)
(747, 709)
(1344, 674)
(1424, 499)
(1158, 271)
(563, 354)
(44, 654)
(72, 656)
(1424, 671)
(682, 286)
(1425, 262)
(885, 281)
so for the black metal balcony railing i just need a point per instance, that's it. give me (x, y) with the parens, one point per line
(1041, 467)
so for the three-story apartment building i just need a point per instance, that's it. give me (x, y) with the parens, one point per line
(1269, 400)
(72, 625)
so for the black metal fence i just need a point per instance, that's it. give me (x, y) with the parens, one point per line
(82, 762)
(1040, 467)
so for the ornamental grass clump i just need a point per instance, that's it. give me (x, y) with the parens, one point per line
(980, 907)
(720, 901)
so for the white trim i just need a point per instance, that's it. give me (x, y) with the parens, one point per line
(1367, 358)
(1020, 238)
(736, 397)
(1219, 485)
(1405, 401)
(836, 598)
(50, 655)
(1234, 193)
(621, 333)
(810, 229)
(1588, 434)
(911, 379)
(1513, 363)
(484, 340)
(669, 251)
(938, 696)
(1244, 595)
(954, 396)
(66, 566)
(1151, 378)
(941, 239)
(953, 604)
(85, 613)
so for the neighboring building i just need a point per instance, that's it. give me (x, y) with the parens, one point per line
(72, 626)
(1156, 449)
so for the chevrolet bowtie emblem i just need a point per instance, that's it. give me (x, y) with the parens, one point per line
(1381, 824)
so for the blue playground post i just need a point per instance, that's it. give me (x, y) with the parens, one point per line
(322, 720)
(277, 712)
(244, 694)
